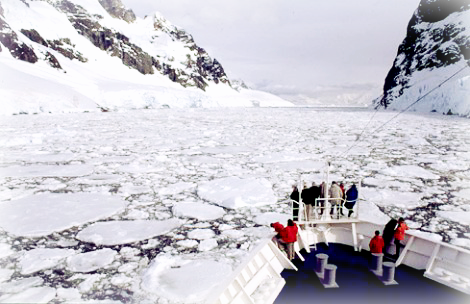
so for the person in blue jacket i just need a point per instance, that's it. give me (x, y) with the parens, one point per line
(351, 198)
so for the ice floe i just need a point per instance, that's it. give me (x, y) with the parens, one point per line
(200, 211)
(123, 232)
(42, 258)
(91, 261)
(182, 280)
(235, 192)
(44, 214)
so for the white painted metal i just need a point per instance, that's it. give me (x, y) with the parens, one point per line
(259, 275)
(442, 262)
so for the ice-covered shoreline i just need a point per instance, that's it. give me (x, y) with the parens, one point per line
(160, 165)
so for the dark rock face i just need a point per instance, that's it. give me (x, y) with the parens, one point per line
(198, 70)
(18, 50)
(427, 45)
(53, 61)
(33, 35)
(116, 9)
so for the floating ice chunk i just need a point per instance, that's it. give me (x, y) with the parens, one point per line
(176, 188)
(91, 261)
(31, 295)
(69, 295)
(272, 217)
(409, 171)
(462, 217)
(425, 235)
(207, 245)
(5, 250)
(234, 192)
(260, 232)
(200, 211)
(124, 232)
(464, 193)
(42, 258)
(121, 280)
(201, 234)
(44, 214)
(389, 197)
(183, 280)
(187, 243)
(137, 215)
(90, 281)
(5, 274)
(20, 285)
(369, 212)
(233, 233)
(46, 171)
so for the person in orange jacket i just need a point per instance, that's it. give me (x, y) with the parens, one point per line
(399, 235)
(376, 244)
(289, 237)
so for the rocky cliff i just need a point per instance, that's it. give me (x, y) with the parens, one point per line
(191, 68)
(436, 47)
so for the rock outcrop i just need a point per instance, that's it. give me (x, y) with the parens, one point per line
(437, 45)
(194, 69)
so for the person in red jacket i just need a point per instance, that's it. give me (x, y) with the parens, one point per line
(278, 227)
(376, 244)
(289, 237)
(399, 235)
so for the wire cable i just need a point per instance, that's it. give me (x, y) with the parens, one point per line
(401, 112)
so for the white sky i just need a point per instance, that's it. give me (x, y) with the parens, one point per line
(293, 46)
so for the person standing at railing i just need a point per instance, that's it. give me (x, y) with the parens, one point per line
(388, 232)
(335, 195)
(399, 235)
(288, 238)
(376, 244)
(351, 198)
(295, 206)
(278, 227)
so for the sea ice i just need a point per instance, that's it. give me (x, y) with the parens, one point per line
(462, 217)
(124, 232)
(31, 295)
(207, 245)
(46, 171)
(201, 234)
(44, 214)
(200, 211)
(5, 274)
(182, 280)
(91, 261)
(235, 192)
(42, 258)
(5, 250)
(409, 171)
(271, 217)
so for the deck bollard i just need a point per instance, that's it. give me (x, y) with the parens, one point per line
(376, 262)
(322, 260)
(388, 273)
(330, 275)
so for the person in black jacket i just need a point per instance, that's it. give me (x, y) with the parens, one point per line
(295, 197)
(387, 234)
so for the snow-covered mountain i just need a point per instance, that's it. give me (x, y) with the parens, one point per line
(436, 47)
(91, 55)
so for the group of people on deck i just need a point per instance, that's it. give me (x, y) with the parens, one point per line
(394, 230)
(286, 237)
(315, 197)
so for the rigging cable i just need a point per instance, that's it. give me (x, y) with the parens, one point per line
(402, 111)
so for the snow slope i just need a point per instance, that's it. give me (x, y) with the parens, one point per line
(88, 76)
